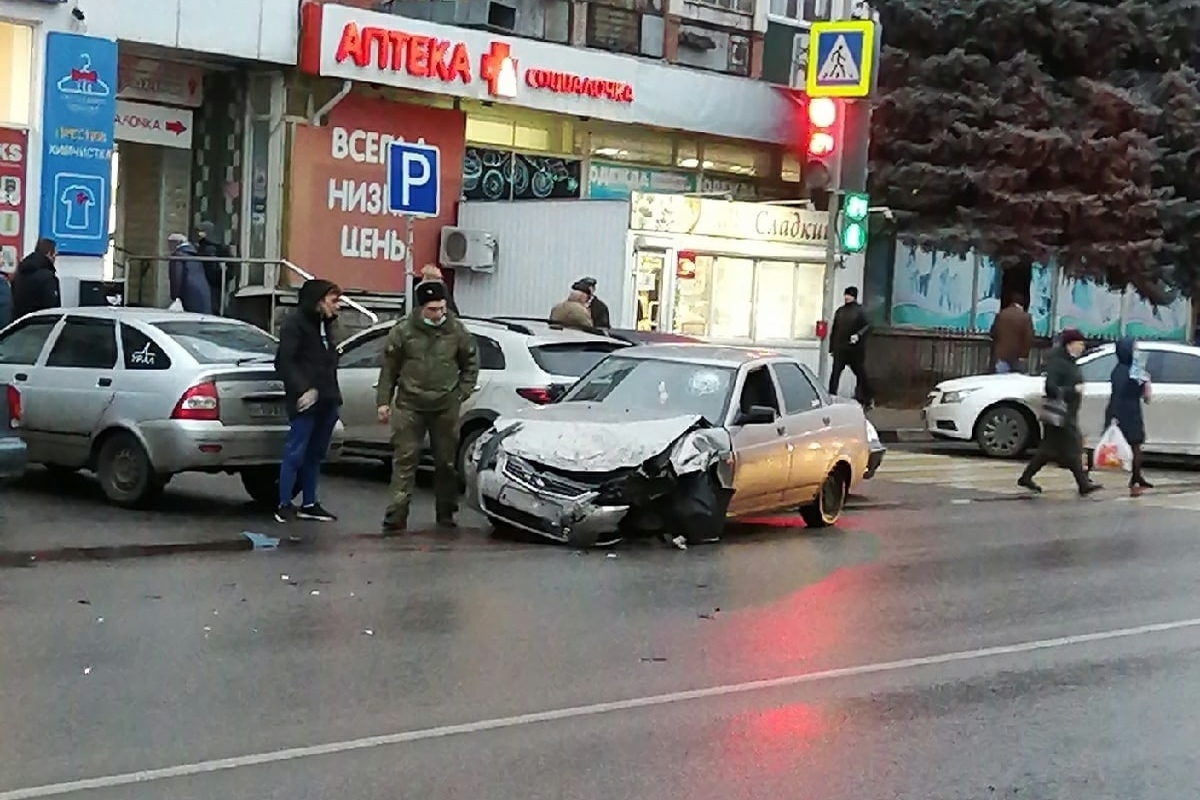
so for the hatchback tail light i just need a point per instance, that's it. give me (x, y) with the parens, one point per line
(13, 399)
(198, 403)
(539, 395)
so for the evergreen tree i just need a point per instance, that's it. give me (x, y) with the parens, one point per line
(1032, 130)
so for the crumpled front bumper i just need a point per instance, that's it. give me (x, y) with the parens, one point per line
(578, 522)
(874, 460)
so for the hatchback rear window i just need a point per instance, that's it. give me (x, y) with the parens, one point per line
(571, 360)
(221, 342)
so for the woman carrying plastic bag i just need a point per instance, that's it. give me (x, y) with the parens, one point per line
(1121, 445)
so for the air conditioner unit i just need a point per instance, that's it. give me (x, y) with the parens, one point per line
(473, 250)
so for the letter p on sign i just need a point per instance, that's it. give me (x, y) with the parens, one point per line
(413, 179)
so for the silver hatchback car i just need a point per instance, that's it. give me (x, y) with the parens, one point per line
(138, 395)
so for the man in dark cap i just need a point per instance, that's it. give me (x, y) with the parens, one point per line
(430, 366)
(1061, 440)
(847, 345)
(595, 306)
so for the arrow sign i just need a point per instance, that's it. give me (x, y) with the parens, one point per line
(149, 123)
(175, 126)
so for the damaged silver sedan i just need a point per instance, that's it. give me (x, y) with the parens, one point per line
(671, 440)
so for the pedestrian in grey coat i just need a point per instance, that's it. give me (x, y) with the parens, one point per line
(189, 284)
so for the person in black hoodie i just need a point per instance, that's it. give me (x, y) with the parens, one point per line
(307, 360)
(35, 286)
(848, 347)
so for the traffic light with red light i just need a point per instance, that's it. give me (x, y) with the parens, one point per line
(824, 133)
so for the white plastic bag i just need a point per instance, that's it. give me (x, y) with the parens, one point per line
(1113, 451)
(176, 305)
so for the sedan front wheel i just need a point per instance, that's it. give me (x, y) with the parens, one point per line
(1002, 432)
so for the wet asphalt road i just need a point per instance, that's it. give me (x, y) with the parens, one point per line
(211, 669)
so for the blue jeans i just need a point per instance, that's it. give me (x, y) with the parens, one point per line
(1003, 368)
(306, 444)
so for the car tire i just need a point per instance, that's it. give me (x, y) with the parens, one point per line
(125, 472)
(262, 484)
(1003, 431)
(826, 509)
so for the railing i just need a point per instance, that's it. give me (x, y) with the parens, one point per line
(137, 268)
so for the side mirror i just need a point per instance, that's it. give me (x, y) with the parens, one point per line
(757, 415)
(557, 391)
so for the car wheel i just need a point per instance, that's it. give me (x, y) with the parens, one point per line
(126, 475)
(827, 508)
(1002, 432)
(262, 484)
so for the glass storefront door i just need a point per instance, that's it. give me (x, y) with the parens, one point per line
(651, 268)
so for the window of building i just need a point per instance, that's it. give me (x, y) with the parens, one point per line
(791, 168)
(16, 73)
(735, 298)
(736, 160)
(500, 133)
(632, 146)
(800, 10)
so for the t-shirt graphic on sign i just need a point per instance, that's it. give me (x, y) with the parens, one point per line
(79, 201)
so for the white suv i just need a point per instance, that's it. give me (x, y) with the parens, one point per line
(520, 361)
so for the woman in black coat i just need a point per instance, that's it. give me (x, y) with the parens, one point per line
(1130, 388)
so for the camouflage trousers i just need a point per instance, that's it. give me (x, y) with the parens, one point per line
(409, 427)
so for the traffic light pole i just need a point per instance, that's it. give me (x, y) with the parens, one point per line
(831, 252)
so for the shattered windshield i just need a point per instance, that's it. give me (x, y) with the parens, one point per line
(674, 387)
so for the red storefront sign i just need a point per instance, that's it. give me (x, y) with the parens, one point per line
(337, 219)
(14, 149)
(446, 61)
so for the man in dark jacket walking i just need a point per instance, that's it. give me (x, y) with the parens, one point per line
(430, 366)
(189, 283)
(847, 345)
(208, 245)
(307, 360)
(35, 286)
(1062, 442)
(1012, 337)
(596, 307)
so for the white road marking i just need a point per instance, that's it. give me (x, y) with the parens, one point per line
(576, 712)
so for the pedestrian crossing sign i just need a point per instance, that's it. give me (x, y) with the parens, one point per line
(841, 58)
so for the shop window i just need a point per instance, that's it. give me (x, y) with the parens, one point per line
(631, 147)
(791, 168)
(735, 160)
(733, 285)
(809, 297)
(774, 295)
(692, 278)
(503, 175)
(16, 73)
(687, 155)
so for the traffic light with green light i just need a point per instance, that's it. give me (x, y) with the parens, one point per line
(853, 234)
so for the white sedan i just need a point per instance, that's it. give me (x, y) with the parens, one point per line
(999, 412)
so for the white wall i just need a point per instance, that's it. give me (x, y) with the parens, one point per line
(545, 246)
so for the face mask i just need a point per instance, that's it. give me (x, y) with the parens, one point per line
(434, 323)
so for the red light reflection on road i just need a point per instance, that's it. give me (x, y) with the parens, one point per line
(773, 740)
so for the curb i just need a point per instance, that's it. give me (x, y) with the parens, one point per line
(901, 435)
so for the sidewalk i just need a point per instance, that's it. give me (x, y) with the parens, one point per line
(898, 425)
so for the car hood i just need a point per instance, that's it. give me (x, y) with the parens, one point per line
(1013, 384)
(591, 437)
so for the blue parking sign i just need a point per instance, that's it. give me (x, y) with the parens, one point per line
(414, 179)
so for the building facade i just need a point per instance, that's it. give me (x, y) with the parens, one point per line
(123, 121)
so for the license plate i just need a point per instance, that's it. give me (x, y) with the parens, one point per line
(266, 410)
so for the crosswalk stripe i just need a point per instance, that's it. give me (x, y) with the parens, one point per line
(1000, 478)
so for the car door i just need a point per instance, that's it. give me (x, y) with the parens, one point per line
(809, 432)
(358, 377)
(1173, 413)
(761, 457)
(74, 388)
(22, 349)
